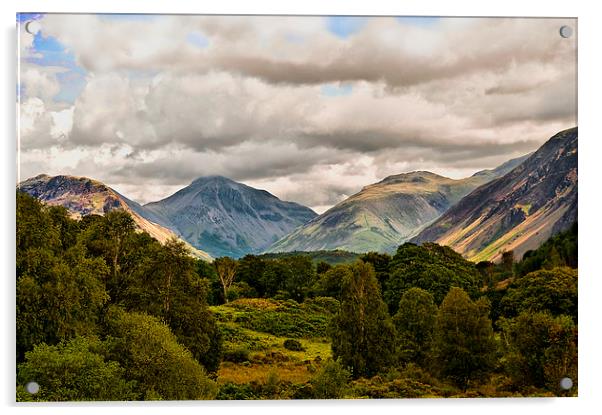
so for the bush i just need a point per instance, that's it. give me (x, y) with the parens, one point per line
(238, 355)
(151, 355)
(294, 345)
(73, 371)
(232, 391)
(331, 381)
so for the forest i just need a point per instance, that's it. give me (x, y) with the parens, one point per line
(105, 312)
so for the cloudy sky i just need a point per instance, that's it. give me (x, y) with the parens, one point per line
(309, 108)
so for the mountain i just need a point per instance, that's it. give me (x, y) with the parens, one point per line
(517, 211)
(229, 218)
(383, 215)
(83, 196)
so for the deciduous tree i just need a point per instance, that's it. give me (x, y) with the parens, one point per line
(363, 335)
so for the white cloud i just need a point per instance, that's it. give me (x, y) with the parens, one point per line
(158, 111)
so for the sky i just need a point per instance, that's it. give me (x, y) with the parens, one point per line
(309, 108)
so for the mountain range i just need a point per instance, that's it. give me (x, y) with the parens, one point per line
(384, 215)
(82, 196)
(512, 207)
(517, 211)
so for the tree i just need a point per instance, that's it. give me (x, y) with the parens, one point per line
(329, 284)
(363, 336)
(381, 264)
(300, 276)
(508, 261)
(553, 290)
(166, 285)
(226, 270)
(464, 346)
(540, 349)
(433, 268)
(151, 355)
(559, 250)
(250, 269)
(113, 237)
(74, 370)
(58, 296)
(322, 267)
(415, 323)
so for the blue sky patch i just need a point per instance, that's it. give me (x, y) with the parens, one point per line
(51, 52)
(198, 39)
(27, 17)
(345, 26)
(420, 21)
(336, 90)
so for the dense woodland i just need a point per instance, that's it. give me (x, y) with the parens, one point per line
(105, 312)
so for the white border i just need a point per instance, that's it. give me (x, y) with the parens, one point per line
(589, 198)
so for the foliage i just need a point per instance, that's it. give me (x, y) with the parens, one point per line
(415, 323)
(329, 283)
(165, 285)
(286, 276)
(127, 317)
(553, 290)
(540, 349)
(233, 391)
(238, 355)
(464, 346)
(431, 267)
(278, 317)
(379, 388)
(60, 291)
(381, 264)
(151, 355)
(333, 257)
(331, 380)
(294, 345)
(560, 250)
(226, 271)
(362, 332)
(74, 370)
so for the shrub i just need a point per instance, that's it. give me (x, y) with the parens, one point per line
(232, 391)
(294, 345)
(238, 355)
(73, 371)
(331, 381)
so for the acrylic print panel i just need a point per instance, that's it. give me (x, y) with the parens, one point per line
(295, 207)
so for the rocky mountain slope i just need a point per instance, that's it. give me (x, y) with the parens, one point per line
(517, 211)
(383, 215)
(83, 196)
(229, 218)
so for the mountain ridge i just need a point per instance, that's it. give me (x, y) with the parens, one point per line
(385, 214)
(227, 217)
(83, 196)
(518, 210)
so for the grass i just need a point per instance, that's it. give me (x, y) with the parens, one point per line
(260, 327)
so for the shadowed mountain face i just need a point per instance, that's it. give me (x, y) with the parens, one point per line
(517, 211)
(383, 215)
(229, 218)
(82, 196)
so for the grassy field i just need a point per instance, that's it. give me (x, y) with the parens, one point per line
(255, 331)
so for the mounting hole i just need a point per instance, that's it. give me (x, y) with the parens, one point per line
(32, 27)
(566, 31)
(566, 383)
(32, 387)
